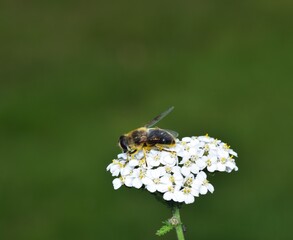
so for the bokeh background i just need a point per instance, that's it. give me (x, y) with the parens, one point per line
(75, 75)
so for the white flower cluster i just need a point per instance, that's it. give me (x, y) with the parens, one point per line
(178, 173)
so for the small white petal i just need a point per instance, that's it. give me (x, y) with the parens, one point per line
(201, 164)
(125, 171)
(194, 192)
(168, 196)
(133, 163)
(210, 187)
(178, 177)
(162, 188)
(189, 199)
(151, 188)
(156, 173)
(139, 155)
(212, 168)
(233, 153)
(166, 180)
(147, 181)
(179, 196)
(194, 168)
(201, 176)
(109, 166)
(161, 170)
(122, 156)
(137, 183)
(115, 172)
(128, 181)
(186, 139)
(185, 171)
(169, 160)
(176, 169)
(117, 183)
(203, 190)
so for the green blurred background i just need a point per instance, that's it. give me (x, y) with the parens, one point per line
(77, 74)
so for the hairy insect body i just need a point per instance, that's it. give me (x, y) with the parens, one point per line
(151, 137)
(147, 137)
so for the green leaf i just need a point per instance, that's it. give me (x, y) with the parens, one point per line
(167, 227)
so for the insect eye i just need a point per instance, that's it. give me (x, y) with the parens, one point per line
(123, 143)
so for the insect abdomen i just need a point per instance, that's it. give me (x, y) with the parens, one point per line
(159, 136)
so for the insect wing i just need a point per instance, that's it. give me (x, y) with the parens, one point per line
(173, 133)
(159, 117)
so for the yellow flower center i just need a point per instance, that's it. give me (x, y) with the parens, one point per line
(141, 174)
(209, 162)
(141, 162)
(189, 181)
(170, 189)
(186, 190)
(187, 164)
(156, 180)
(226, 146)
(168, 169)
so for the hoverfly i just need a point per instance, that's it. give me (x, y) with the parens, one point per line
(148, 136)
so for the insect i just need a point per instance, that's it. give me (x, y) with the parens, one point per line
(147, 137)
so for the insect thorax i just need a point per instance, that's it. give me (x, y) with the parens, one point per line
(139, 136)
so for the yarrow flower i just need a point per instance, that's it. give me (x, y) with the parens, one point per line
(178, 173)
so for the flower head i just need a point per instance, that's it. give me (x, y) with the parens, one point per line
(178, 173)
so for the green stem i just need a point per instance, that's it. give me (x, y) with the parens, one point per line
(179, 226)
